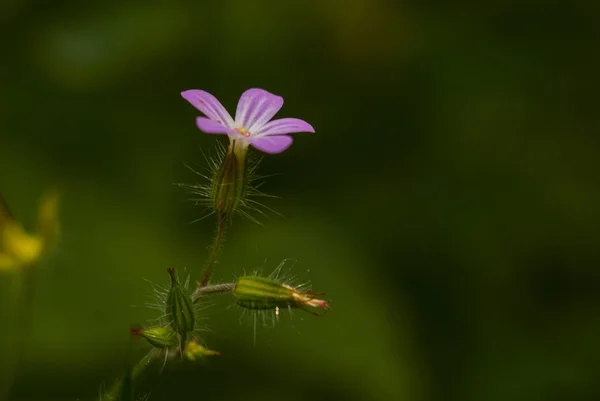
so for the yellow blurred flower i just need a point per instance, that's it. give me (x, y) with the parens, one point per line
(20, 249)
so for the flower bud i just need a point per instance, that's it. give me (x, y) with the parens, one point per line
(159, 337)
(254, 292)
(194, 351)
(228, 188)
(179, 308)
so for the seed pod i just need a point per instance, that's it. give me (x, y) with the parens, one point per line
(159, 337)
(179, 308)
(228, 188)
(262, 293)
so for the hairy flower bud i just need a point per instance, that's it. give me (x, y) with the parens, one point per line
(179, 308)
(159, 337)
(194, 351)
(254, 292)
(228, 188)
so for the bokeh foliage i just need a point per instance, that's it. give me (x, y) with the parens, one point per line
(449, 202)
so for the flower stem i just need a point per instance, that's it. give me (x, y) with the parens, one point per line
(117, 390)
(5, 213)
(26, 289)
(141, 365)
(215, 250)
(213, 289)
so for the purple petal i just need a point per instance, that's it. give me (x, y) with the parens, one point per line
(208, 105)
(256, 107)
(211, 127)
(272, 144)
(285, 126)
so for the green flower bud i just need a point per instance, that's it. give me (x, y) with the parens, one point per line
(228, 188)
(258, 293)
(159, 337)
(179, 308)
(194, 351)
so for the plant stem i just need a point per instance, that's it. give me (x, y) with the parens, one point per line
(213, 289)
(215, 250)
(124, 387)
(26, 284)
(141, 365)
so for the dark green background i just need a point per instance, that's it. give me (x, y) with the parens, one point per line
(449, 203)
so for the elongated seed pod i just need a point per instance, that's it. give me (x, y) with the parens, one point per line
(262, 293)
(179, 307)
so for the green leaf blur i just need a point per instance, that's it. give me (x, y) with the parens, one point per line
(448, 204)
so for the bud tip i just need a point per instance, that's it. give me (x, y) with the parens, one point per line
(171, 272)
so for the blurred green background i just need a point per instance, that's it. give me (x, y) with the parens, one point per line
(449, 203)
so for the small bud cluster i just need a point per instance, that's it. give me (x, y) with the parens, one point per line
(179, 331)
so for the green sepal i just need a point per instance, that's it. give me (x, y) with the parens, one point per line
(159, 337)
(229, 184)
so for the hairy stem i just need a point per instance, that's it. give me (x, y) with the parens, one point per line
(122, 389)
(215, 250)
(213, 289)
(141, 365)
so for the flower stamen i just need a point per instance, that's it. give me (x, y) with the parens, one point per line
(243, 131)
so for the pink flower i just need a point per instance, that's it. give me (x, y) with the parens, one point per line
(252, 123)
